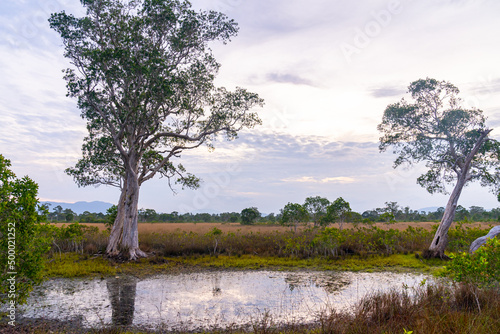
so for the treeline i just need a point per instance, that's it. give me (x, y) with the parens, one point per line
(315, 209)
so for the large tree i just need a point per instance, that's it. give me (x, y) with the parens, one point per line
(143, 75)
(453, 142)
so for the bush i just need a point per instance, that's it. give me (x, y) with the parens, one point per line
(480, 269)
(21, 242)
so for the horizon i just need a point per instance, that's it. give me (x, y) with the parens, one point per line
(263, 214)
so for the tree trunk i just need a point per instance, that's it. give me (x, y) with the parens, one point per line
(438, 245)
(124, 237)
(115, 236)
(482, 240)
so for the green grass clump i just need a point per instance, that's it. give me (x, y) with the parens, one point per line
(76, 265)
(397, 262)
(70, 265)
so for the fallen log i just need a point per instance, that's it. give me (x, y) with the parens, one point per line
(481, 240)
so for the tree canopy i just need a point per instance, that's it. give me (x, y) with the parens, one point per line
(316, 207)
(338, 211)
(452, 140)
(293, 214)
(249, 215)
(143, 75)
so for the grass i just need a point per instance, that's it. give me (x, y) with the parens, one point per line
(71, 265)
(360, 248)
(397, 262)
(437, 309)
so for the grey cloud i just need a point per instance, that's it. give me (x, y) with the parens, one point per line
(299, 156)
(487, 86)
(289, 168)
(289, 78)
(387, 92)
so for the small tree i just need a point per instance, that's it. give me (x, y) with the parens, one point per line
(22, 243)
(249, 216)
(338, 212)
(316, 207)
(451, 140)
(293, 214)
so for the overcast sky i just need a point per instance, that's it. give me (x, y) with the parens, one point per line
(326, 70)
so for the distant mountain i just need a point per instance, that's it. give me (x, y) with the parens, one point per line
(80, 207)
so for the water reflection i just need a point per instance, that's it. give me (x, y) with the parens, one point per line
(188, 302)
(331, 282)
(122, 292)
(216, 286)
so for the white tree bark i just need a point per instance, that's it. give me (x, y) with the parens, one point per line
(440, 240)
(115, 236)
(124, 237)
(482, 240)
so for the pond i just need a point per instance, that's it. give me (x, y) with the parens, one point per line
(208, 299)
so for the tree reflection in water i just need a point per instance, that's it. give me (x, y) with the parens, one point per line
(122, 292)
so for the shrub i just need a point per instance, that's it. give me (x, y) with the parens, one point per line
(21, 242)
(481, 269)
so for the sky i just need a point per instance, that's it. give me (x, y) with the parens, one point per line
(326, 69)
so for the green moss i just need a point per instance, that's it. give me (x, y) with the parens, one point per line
(353, 263)
(76, 265)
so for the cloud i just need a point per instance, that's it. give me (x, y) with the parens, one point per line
(487, 86)
(387, 92)
(289, 78)
(311, 179)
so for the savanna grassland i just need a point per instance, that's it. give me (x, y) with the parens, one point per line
(262, 228)
(78, 251)
(378, 246)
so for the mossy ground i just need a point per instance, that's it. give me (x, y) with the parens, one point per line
(77, 265)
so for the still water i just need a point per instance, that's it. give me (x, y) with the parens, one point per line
(206, 300)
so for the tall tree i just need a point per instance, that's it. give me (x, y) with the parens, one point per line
(144, 79)
(453, 141)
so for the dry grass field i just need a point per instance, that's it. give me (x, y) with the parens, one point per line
(202, 228)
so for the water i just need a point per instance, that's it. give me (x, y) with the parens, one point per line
(206, 300)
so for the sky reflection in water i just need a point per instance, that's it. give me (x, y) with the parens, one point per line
(204, 300)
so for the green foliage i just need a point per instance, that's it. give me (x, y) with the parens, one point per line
(436, 129)
(462, 235)
(112, 212)
(317, 207)
(249, 216)
(481, 269)
(147, 65)
(215, 234)
(21, 244)
(330, 240)
(338, 212)
(387, 217)
(74, 265)
(293, 214)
